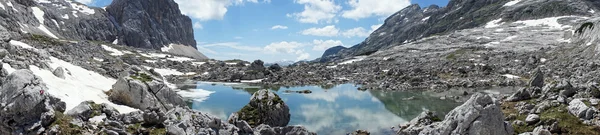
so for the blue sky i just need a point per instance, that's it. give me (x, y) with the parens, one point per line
(277, 30)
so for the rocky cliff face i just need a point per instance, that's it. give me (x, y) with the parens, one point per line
(151, 24)
(413, 22)
(57, 19)
(134, 23)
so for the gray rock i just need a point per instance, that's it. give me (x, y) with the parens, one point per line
(579, 109)
(532, 119)
(479, 115)
(25, 110)
(151, 24)
(540, 130)
(265, 107)
(141, 90)
(59, 72)
(537, 79)
(287, 130)
(153, 116)
(520, 95)
(85, 110)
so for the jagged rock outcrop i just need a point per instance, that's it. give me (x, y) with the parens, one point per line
(537, 79)
(88, 109)
(142, 89)
(287, 130)
(413, 23)
(481, 114)
(24, 106)
(265, 107)
(151, 24)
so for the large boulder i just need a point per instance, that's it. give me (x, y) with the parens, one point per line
(537, 79)
(521, 94)
(89, 109)
(59, 72)
(481, 114)
(579, 109)
(184, 121)
(141, 90)
(265, 107)
(287, 130)
(24, 106)
(257, 65)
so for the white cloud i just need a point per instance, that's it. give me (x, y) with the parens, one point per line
(321, 45)
(356, 32)
(233, 45)
(375, 27)
(279, 27)
(238, 37)
(283, 47)
(367, 8)
(208, 9)
(316, 11)
(290, 48)
(360, 31)
(87, 2)
(205, 50)
(197, 25)
(327, 31)
(303, 56)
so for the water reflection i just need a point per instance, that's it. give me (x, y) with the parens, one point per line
(330, 109)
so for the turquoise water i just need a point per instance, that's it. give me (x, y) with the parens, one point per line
(331, 110)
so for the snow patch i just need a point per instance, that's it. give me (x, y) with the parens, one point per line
(82, 8)
(511, 3)
(510, 38)
(11, 6)
(425, 19)
(335, 66)
(164, 72)
(355, 59)
(8, 68)
(509, 76)
(21, 44)
(114, 52)
(494, 23)
(77, 85)
(98, 59)
(166, 48)
(56, 23)
(65, 16)
(251, 81)
(543, 60)
(196, 94)
(39, 15)
(592, 11)
(2, 6)
(551, 22)
(198, 63)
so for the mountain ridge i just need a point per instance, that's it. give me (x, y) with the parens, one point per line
(413, 22)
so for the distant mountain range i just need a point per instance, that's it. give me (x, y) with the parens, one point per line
(413, 22)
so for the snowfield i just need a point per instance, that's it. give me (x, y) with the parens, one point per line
(79, 84)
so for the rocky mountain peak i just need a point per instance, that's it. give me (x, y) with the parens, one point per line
(413, 23)
(151, 24)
